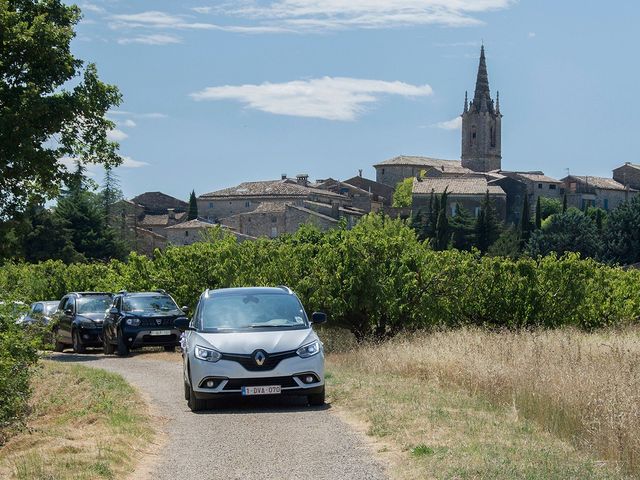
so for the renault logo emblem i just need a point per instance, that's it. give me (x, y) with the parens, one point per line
(259, 357)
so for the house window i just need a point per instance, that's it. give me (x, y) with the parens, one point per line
(453, 210)
(552, 187)
(539, 185)
(383, 171)
(210, 204)
(186, 233)
(477, 212)
(274, 232)
(606, 204)
(274, 220)
(247, 204)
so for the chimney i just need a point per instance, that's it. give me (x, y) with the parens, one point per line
(283, 176)
(302, 179)
(172, 213)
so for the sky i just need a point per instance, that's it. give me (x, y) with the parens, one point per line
(220, 92)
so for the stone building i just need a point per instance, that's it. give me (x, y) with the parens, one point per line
(192, 231)
(159, 223)
(468, 191)
(395, 170)
(157, 203)
(628, 175)
(360, 198)
(247, 196)
(381, 192)
(270, 219)
(588, 191)
(482, 126)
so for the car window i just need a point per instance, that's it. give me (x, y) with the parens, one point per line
(50, 308)
(118, 303)
(94, 304)
(38, 308)
(68, 304)
(150, 304)
(252, 311)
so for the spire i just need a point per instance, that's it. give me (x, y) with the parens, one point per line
(482, 95)
(466, 102)
(498, 101)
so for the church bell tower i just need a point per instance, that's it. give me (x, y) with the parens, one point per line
(481, 126)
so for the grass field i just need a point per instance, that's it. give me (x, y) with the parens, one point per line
(85, 424)
(475, 404)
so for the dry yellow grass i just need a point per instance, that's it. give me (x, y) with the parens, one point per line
(85, 424)
(583, 388)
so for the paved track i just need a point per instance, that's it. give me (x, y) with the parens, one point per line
(240, 439)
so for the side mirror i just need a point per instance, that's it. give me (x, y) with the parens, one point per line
(113, 311)
(68, 312)
(182, 324)
(185, 309)
(318, 317)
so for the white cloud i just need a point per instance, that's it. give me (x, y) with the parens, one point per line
(153, 39)
(330, 98)
(202, 10)
(153, 115)
(129, 162)
(128, 123)
(90, 7)
(116, 135)
(532, 34)
(453, 124)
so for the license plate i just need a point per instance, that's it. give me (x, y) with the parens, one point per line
(263, 390)
(160, 332)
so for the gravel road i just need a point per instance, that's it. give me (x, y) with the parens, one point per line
(240, 438)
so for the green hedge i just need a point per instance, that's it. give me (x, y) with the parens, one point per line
(374, 279)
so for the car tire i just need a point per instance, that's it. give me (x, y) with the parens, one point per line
(107, 347)
(122, 348)
(316, 399)
(57, 345)
(195, 404)
(170, 348)
(187, 391)
(78, 347)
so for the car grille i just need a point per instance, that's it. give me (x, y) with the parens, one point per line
(247, 361)
(159, 338)
(151, 322)
(238, 383)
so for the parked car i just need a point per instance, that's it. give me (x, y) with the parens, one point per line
(251, 341)
(78, 320)
(41, 312)
(140, 319)
(14, 311)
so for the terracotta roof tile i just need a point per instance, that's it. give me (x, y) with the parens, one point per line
(419, 161)
(475, 185)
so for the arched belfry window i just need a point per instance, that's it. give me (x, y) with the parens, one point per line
(473, 134)
(493, 136)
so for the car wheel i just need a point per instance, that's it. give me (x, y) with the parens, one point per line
(316, 399)
(107, 347)
(195, 404)
(187, 391)
(123, 349)
(169, 348)
(77, 344)
(58, 346)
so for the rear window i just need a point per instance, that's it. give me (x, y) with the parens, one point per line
(252, 311)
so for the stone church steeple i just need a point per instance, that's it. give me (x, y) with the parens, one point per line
(481, 126)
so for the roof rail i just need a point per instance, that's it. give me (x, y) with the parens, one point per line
(161, 290)
(286, 289)
(122, 292)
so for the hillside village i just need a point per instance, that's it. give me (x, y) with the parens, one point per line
(270, 208)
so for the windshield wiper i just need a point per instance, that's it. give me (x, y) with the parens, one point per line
(257, 325)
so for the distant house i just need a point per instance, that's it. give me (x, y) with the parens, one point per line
(628, 175)
(468, 191)
(247, 196)
(393, 171)
(360, 198)
(588, 191)
(382, 193)
(160, 223)
(192, 231)
(271, 219)
(158, 203)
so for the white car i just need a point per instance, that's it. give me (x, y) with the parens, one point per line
(251, 341)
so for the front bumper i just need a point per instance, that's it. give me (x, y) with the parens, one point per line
(229, 376)
(143, 337)
(90, 337)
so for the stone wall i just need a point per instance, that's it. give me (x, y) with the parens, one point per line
(472, 203)
(391, 175)
(628, 175)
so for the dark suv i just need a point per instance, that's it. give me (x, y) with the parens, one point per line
(78, 320)
(141, 319)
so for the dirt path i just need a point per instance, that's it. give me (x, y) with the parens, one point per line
(240, 439)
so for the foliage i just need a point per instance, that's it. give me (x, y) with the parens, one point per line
(402, 193)
(442, 233)
(462, 225)
(549, 206)
(488, 228)
(622, 233)
(538, 222)
(525, 226)
(567, 232)
(508, 244)
(42, 120)
(192, 213)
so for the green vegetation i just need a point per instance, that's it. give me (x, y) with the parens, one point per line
(192, 214)
(85, 424)
(402, 193)
(43, 119)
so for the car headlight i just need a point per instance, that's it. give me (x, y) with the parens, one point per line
(87, 324)
(206, 354)
(134, 322)
(309, 350)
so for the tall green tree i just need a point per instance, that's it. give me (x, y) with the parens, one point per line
(442, 231)
(488, 227)
(192, 214)
(402, 193)
(564, 203)
(52, 106)
(538, 214)
(525, 227)
(549, 206)
(567, 232)
(462, 226)
(111, 193)
(622, 233)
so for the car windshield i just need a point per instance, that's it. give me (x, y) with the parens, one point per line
(50, 308)
(93, 304)
(150, 304)
(251, 311)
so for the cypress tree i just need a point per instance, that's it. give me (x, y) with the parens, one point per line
(441, 237)
(487, 228)
(538, 215)
(564, 203)
(525, 221)
(192, 214)
(462, 224)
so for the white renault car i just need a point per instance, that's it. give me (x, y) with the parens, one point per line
(251, 341)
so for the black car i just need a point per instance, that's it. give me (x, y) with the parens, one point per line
(78, 321)
(140, 319)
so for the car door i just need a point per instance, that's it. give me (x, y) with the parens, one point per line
(37, 313)
(67, 313)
